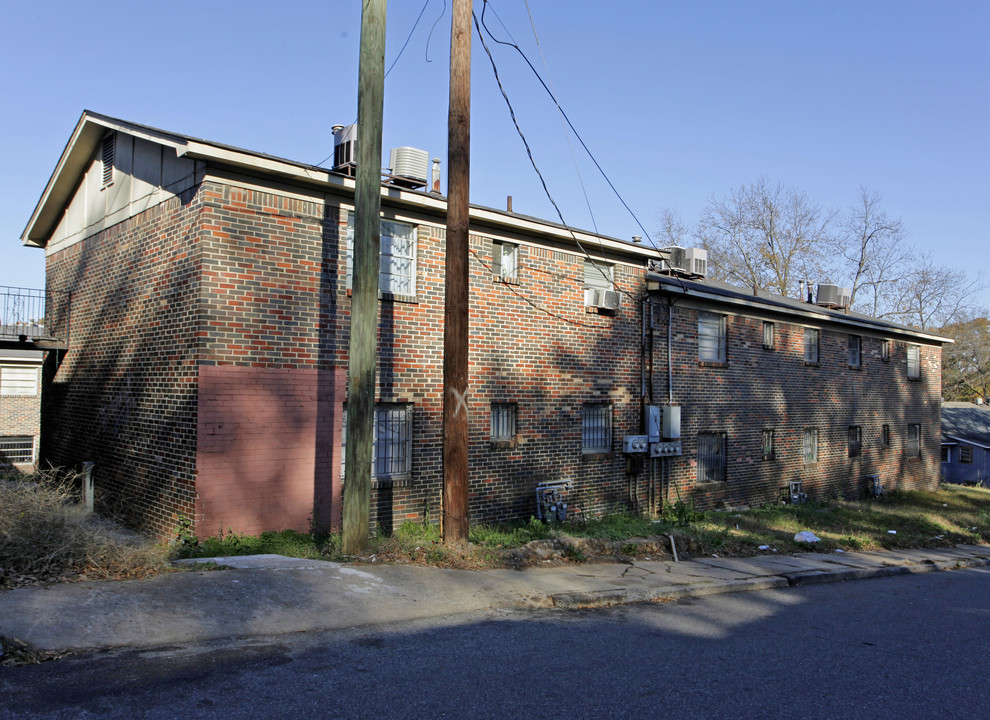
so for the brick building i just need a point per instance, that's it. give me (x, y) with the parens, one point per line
(20, 405)
(206, 372)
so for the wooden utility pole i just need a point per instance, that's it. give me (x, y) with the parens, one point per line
(362, 353)
(455, 329)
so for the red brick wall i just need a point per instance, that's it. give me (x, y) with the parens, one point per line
(267, 448)
(774, 389)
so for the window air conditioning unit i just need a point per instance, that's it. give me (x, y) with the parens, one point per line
(696, 260)
(591, 297)
(827, 295)
(609, 299)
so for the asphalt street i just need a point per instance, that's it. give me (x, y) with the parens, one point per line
(901, 647)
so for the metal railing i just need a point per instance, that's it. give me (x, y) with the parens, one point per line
(32, 314)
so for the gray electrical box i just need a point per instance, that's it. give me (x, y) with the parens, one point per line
(654, 415)
(671, 422)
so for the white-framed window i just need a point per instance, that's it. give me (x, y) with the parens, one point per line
(769, 335)
(769, 447)
(397, 257)
(914, 361)
(811, 345)
(599, 285)
(913, 446)
(392, 452)
(16, 449)
(711, 457)
(885, 350)
(809, 450)
(505, 261)
(855, 351)
(711, 337)
(596, 427)
(855, 441)
(503, 424)
(18, 380)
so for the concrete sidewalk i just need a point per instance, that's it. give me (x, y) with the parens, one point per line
(272, 595)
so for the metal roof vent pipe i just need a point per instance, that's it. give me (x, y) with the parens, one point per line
(435, 184)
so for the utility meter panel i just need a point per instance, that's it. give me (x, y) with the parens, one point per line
(654, 422)
(635, 444)
(671, 422)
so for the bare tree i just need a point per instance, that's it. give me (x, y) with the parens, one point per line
(875, 256)
(768, 235)
(966, 363)
(933, 295)
(670, 228)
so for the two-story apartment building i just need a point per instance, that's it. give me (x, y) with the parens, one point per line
(206, 372)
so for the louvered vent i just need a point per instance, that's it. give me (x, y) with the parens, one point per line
(108, 148)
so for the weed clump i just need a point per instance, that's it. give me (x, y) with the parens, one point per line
(45, 536)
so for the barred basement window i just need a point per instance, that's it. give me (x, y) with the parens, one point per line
(913, 446)
(711, 337)
(810, 345)
(855, 440)
(855, 351)
(711, 457)
(18, 380)
(392, 452)
(109, 146)
(769, 336)
(769, 452)
(914, 361)
(16, 449)
(596, 428)
(810, 445)
(503, 424)
(965, 454)
(505, 262)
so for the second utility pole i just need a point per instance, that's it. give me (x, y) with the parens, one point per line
(455, 327)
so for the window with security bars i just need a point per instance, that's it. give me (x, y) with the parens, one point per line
(16, 449)
(503, 424)
(914, 361)
(391, 456)
(913, 446)
(768, 445)
(711, 337)
(596, 428)
(855, 440)
(711, 457)
(18, 380)
(397, 257)
(769, 335)
(809, 449)
(810, 345)
(855, 351)
(885, 435)
(505, 261)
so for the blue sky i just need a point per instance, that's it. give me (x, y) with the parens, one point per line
(677, 100)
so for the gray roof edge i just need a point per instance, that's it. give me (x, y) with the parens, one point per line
(732, 295)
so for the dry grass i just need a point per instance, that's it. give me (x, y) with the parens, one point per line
(45, 536)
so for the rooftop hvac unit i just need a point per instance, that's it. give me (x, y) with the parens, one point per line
(409, 166)
(827, 295)
(696, 260)
(676, 259)
(845, 297)
(344, 148)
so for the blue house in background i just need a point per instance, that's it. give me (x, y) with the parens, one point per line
(966, 443)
